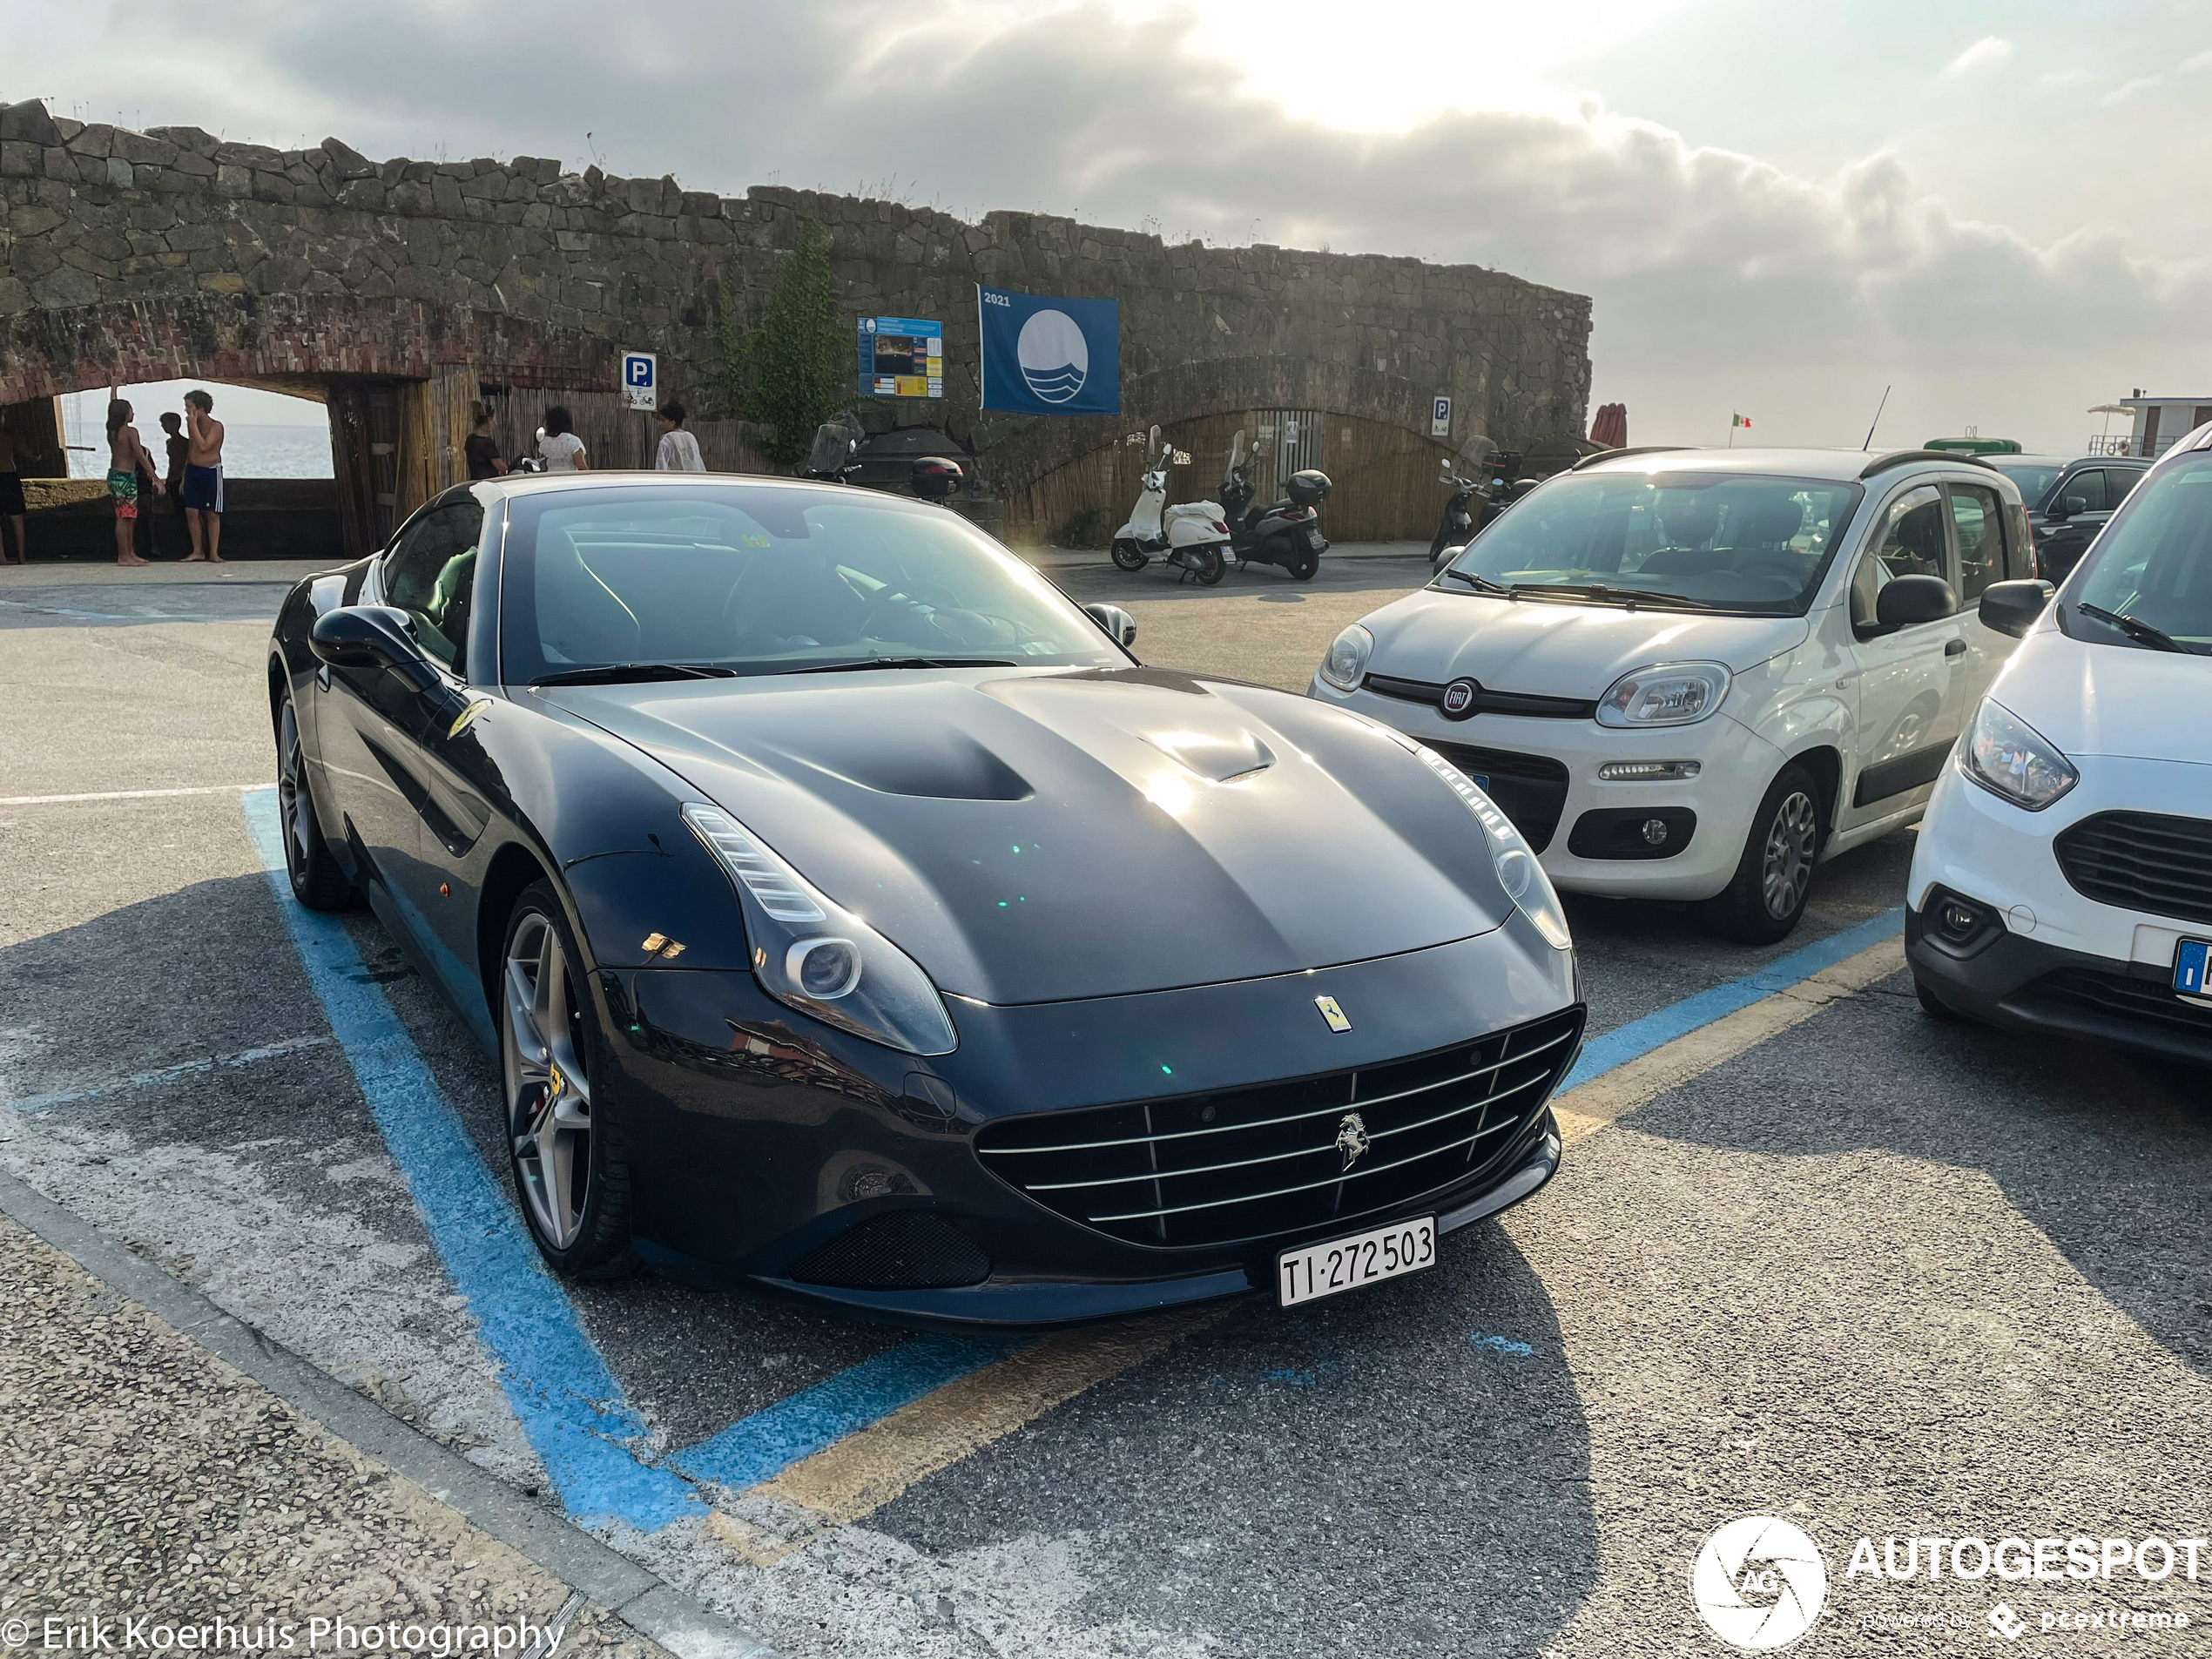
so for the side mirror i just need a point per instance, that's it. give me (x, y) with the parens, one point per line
(1120, 626)
(2012, 607)
(371, 637)
(2067, 507)
(1907, 601)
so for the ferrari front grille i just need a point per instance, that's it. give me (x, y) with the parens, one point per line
(1253, 1163)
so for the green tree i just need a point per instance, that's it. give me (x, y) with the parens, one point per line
(789, 375)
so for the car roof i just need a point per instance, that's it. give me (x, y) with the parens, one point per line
(1845, 466)
(2067, 460)
(526, 483)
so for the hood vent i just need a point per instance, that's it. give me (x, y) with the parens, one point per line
(1214, 756)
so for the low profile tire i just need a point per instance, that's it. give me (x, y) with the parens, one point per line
(1765, 898)
(1207, 565)
(1931, 1005)
(564, 1140)
(1130, 556)
(317, 882)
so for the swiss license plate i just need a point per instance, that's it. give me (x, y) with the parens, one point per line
(2191, 963)
(1316, 1270)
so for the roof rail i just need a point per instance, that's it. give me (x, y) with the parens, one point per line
(1903, 457)
(1639, 449)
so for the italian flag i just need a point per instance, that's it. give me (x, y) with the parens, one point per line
(1743, 420)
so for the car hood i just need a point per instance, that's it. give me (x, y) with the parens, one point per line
(1033, 836)
(1549, 649)
(2109, 701)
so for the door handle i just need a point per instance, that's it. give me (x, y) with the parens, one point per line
(1956, 648)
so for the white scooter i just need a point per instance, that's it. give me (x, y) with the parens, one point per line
(1192, 535)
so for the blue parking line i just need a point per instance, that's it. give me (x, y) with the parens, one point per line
(758, 1447)
(1639, 1038)
(568, 1402)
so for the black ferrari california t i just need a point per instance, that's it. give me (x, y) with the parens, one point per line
(851, 912)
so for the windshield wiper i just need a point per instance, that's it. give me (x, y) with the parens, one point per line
(1630, 597)
(618, 673)
(858, 663)
(1480, 584)
(2141, 632)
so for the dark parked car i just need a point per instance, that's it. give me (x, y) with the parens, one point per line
(2068, 502)
(848, 910)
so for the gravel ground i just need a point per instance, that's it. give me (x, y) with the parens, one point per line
(141, 1476)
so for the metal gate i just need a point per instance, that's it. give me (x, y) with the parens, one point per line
(1289, 441)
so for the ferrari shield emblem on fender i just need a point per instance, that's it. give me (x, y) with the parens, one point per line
(1352, 1138)
(1335, 1016)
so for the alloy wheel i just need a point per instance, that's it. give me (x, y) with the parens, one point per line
(293, 803)
(549, 1096)
(1789, 846)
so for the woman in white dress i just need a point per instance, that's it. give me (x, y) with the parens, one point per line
(559, 447)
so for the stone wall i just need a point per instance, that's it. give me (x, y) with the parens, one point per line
(131, 256)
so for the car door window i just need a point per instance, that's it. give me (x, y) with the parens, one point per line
(1977, 523)
(2084, 492)
(429, 574)
(1911, 543)
(2119, 482)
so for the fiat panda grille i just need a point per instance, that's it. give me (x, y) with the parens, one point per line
(1246, 1164)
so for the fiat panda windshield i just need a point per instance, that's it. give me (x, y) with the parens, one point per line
(1746, 543)
(2147, 581)
(612, 583)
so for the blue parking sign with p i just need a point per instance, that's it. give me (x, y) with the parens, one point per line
(640, 377)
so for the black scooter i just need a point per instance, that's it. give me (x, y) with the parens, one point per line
(1474, 503)
(1285, 533)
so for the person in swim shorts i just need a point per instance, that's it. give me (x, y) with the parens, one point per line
(203, 477)
(11, 502)
(126, 460)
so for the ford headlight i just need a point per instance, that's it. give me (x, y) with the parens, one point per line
(1664, 694)
(1523, 879)
(2011, 758)
(811, 953)
(1346, 664)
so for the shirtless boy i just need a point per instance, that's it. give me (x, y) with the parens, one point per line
(203, 477)
(127, 460)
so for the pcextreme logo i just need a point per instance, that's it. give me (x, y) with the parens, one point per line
(1758, 1583)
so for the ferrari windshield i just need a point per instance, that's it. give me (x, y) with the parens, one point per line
(765, 579)
(1746, 543)
(2152, 567)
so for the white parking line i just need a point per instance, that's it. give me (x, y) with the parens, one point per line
(164, 1073)
(127, 794)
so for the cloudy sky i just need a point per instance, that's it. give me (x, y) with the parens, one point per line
(1779, 210)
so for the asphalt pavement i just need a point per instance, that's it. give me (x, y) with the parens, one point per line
(1875, 1275)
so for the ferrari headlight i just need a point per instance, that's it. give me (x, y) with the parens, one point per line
(2011, 758)
(1519, 873)
(812, 954)
(1346, 664)
(1664, 694)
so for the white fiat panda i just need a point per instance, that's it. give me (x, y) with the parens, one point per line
(1694, 674)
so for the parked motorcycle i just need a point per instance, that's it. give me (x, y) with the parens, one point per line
(835, 456)
(1475, 501)
(1190, 534)
(1285, 533)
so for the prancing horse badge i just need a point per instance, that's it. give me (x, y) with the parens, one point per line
(1335, 1016)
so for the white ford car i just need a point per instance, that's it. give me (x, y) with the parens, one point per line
(1694, 674)
(2063, 879)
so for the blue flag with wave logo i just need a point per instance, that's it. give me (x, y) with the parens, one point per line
(1048, 356)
